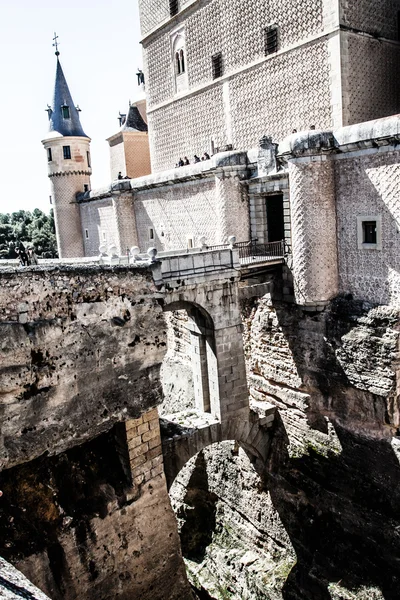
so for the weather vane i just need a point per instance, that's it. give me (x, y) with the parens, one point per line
(55, 38)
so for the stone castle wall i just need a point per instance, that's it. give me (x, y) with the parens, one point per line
(371, 17)
(369, 185)
(98, 218)
(370, 82)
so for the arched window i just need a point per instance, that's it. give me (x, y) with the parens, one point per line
(177, 63)
(182, 59)
(178, 55)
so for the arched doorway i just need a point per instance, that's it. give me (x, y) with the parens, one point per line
(192, 339)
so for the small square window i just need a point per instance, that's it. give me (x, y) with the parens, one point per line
(369, 232)
(67, 152)
(49, 155)
(173, 7)
(217, 66)
(270, 40)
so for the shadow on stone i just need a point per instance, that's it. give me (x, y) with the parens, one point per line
(198, 512)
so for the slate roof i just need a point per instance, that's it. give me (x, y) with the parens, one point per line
(62, 96)
(134, 121)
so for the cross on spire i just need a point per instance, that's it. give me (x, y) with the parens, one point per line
(56, 43)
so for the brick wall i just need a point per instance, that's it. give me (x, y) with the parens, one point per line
(137, 154)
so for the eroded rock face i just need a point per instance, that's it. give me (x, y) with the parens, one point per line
(85, 511)
(329, 497)
(81, 348)
(70, 524)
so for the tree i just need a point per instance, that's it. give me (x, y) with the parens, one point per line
(31, 228)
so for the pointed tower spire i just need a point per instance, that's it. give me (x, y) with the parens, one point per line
(63, 116)
(68, 157)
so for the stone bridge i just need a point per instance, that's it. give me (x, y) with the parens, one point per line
(206, 284)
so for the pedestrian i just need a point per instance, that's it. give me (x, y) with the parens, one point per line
(180, 163)
(23, 257)
(33, 259)
(206, 156)
(120, 176)
(186, 161)
(196, 158)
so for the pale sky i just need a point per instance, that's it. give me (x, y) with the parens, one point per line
(100, 54)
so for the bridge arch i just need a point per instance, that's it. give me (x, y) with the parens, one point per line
(203, 355)
(180, 443)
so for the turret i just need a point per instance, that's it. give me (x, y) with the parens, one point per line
(68, 156)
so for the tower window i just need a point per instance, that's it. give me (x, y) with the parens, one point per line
(65, 111)
(217, 66)
(49, 155)
(67, 152)
(271, 40)
(88, 159)
(180, 61)
(173, 7)
(87, 234)
(85, 187)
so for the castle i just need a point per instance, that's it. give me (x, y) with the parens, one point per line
(280, 420)
(276, 98)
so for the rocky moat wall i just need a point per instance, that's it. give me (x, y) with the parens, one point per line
(322, 520)
(85, 511)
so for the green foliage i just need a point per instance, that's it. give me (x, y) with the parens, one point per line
(32, 229)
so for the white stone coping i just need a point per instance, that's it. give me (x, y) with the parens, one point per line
(379, 132)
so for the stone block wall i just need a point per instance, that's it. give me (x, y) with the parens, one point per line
(99, 219)
(216, 208)
(369, 184)
(144, 447)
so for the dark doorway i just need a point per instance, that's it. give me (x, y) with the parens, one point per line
(275, 226)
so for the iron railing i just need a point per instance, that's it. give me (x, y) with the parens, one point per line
(254, 252)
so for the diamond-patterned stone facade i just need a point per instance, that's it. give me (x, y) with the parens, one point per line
(370, 75)
(369, 185)
(313, 213)
(371, 17)
(260, 101)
